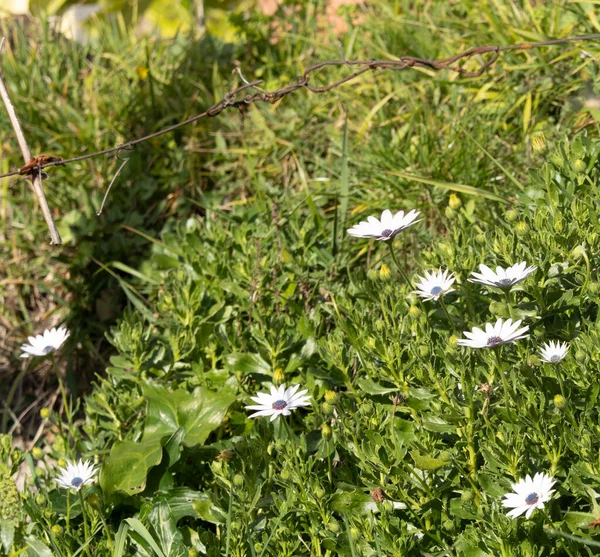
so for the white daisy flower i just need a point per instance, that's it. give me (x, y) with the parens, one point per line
(502, 278)
(554, 352)
(280, 401)
(76, 474)
(529, 494)
(433, 285)
(494, 335)
(49, 341)
(386, 228)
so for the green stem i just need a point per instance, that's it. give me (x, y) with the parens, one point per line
(560, 379)
(66, 403)
(68, 520)
(505, 385)
(85, 524)
(398, 266)
(443, 306)
(509, 304)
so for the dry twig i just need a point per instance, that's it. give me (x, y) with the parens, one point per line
(232, 99)
(36, 173)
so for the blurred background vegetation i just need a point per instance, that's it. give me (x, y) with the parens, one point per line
(131, 68)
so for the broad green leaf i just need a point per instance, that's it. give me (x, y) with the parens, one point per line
(355, 501)
(167, 535)
(198, 413)
(187, 502)
(127, 466)
(249, 363)
(37, 548)
(577, 520)
(423, 462)
(432, 422)
(7, 534)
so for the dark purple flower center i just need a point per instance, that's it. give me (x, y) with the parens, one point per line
(505, 282)
(279, 405)
(532, 498)
(387, 233)
(76, 482)
(48, 349)
(493, 341)
(555, 358)
(436, 290)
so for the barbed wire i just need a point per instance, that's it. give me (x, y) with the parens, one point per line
(232, 100)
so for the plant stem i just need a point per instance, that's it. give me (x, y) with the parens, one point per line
(509, 304)
(398, 266)
(68, 519)
(66, 402)
(502, 377)
(443, 306)
(85, 524)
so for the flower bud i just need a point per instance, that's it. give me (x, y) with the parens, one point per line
(62, 463)
(57, 529)
(521, 228)
(319, 492)
(326, 432)
(333, 525)
(414, 312)
(511, 215)
(424, 350)
(278, 376)
(226, 455)
(284, 474)
(40, 500)
(580, 356)
(327, 408)
(45, 413)
(538, 142)
(384, 272)
(579, 166)
(594, 287)
(238, 480)
(480, 238)
(560, 401)
(354, 533)
(330, 396)
(371, 342)
(37, 453)
(450, 213)
(453, 340)
(192, 552)
(454, 202)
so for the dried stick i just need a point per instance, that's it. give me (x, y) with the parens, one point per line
(231, 99)
(99, 211)
(36, 176)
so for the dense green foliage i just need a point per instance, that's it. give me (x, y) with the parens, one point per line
(221, 266)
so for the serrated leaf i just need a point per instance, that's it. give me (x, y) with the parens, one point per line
(372, 388)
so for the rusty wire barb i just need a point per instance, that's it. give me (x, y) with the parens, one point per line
(232, 99)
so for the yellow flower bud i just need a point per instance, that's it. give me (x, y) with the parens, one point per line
(384, 272)
(454, 202)
(278, 376)
(330, 396)
(560, 401)
(538, 142)
(521, 228)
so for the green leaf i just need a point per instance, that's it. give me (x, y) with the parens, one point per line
(432, 422)
(7, 534)
(167, 534)
(198, 413)
(249, 363)
(355, 501)
(187, 502)
(127, 466)
(462, 188)
(121, 539)
(423, 462)
(372, 388)
(577, 520)
(37, 548)
(139, 533)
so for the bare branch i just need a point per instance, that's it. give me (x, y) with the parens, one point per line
(231, 99)
(36, 176)
(99, 212)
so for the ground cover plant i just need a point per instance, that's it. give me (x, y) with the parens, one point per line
(249, 370)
